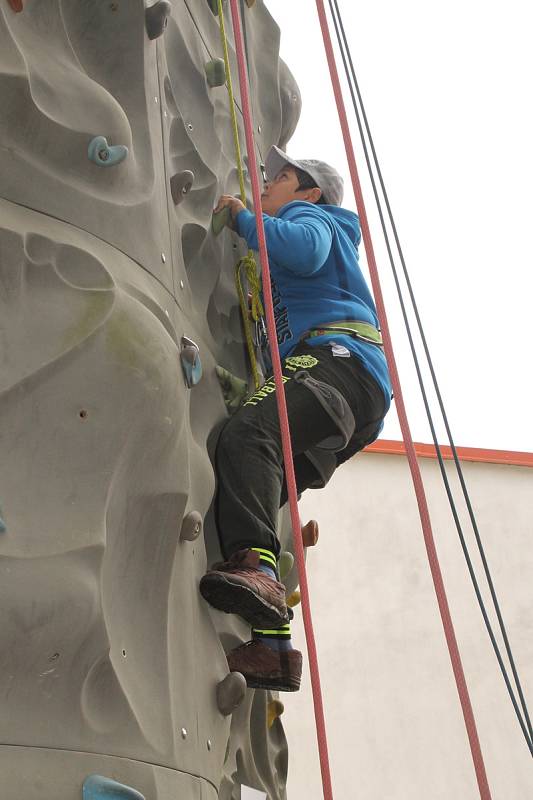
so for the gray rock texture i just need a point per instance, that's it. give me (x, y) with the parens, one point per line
(109, 658)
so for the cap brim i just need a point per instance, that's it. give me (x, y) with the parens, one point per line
(276, 160)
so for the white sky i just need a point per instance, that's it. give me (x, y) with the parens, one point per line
(447, 89)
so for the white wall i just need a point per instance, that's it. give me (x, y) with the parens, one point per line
(394, 721)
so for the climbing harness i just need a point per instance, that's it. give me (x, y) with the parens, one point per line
(364, 128)
(359, 330)
(247, 263)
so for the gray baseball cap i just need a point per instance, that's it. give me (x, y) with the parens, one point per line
(326, 178)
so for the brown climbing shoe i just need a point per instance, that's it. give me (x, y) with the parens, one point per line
(264, 668)
(238, 586)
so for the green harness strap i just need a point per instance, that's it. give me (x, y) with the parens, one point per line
(359, 330)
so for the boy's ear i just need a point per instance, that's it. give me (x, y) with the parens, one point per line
(313, 195)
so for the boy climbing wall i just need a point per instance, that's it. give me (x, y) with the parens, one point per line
(337, 390)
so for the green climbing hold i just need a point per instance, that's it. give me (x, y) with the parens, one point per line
(97, 787)
(234, 390)
(286, 563)
(219, 220)
(215, 72)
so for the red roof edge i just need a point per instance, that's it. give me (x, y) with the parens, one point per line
(510, 457)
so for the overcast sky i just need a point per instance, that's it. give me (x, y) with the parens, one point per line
(447, 89)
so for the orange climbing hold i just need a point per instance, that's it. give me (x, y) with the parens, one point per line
(16, 5)
(310, 533)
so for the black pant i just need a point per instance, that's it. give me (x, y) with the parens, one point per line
(249, 458)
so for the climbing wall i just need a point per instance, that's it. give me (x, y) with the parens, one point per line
(114, 146)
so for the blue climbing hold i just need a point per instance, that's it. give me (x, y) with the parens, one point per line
(190, 361)
(156, 18)
(96, 787)
(105, 155)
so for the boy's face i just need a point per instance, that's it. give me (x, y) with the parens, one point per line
(284, 189)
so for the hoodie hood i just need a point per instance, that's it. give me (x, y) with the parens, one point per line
(347, 221)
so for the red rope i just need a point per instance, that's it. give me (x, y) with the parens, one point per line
(440, 591)
(282, 407)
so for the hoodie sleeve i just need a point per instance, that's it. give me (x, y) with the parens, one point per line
(299, 241)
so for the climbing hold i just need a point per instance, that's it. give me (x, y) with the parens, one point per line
(180, 185)
(156, 18)
(190, 361)
(230, 693)
(310, 533)
(213, 5)
(96, 787)
(294, 599)
(191, 527)
(215, 72)
(16, 5)
(219, 220)
(274, 710)
(105, 155)
(286, 563)
(234, 390)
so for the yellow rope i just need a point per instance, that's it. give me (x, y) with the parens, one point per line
(248, 262)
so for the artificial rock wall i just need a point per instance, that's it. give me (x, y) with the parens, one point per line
(109, 658)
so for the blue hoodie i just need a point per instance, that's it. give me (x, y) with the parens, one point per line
(316, 278)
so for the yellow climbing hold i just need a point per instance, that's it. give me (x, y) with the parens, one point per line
(274, 710)
(294, 599)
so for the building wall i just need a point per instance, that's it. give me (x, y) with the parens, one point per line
(394, 722)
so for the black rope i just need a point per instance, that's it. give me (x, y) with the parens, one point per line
(352, 82)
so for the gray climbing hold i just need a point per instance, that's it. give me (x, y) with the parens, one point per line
(219, 220)
(156, 18)
(191, 527)
(234, 390)
(231, 692)
(215, 72)
(96, 787)
(180, 185)
(285, 564)
(105, 155)
(190, 361)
